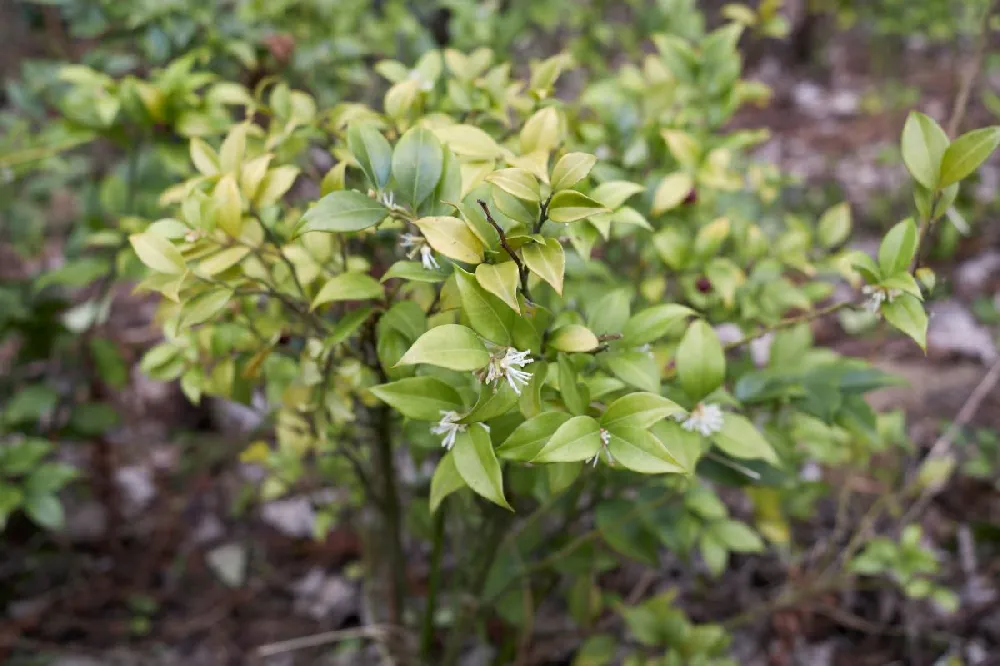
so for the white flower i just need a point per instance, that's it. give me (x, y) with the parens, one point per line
(449, 427)
(605, 440)
(704, 418)
(387, 199)
(877, 296)
(415, 245)
(427, 258)
(506, 366)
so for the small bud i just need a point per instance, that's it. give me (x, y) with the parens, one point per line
(692, 197)
(703, 285)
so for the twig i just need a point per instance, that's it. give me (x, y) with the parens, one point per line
(430, 609)
(788, 323)
(942, 446)
(376, 631)
(522, 270)
(971, 73)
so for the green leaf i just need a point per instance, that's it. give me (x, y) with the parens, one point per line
(451, 237)
(654, 323)
(571, 169)
(907, 314)
(469, 142)
(228, 206)
(638, 410)
(220, 261)
(619, 523)
(835, 225)
(502, 281)
(923, 146)
(516, 182)
(205, 159)
(413, 271)
(493, 401)
(417, 164)
(422, 398)
(205, 306)
(448, 346)
(686, 447)
(158, 253)
(45, 510)
(343, 211)
(547, 261)
(865, 265)
(904, 282)
(701, 362)
(740, 439)
(487, 314)
(615, 193)
(966, 153)
(562, 475)
(573, 338)
(736, 536)
(477, 464)
(372, 152)
(575, 394)
(445, 481)
(638, 450)
(348, 287)
(609, 313)
(714, 552)
(897, 248)
(570, 206)
(528, 439)
(577, 439)
(635, 368)
(347, 325)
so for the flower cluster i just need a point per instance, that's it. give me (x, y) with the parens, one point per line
(506, 366)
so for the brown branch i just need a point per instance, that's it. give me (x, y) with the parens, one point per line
(522, 270)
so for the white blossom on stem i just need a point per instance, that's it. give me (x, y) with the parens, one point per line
(877, 296)
(505, 366)
(414, 245)
(705, 419)
(449, 427)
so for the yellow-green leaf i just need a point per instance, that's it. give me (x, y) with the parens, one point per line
(516, 182)
(671, 191)
(571, 169)
(501, 280)
(547, 261)
(451, 237)
(158, 253)
(228, 206)
(449, 346)
(573, 338)
(570, 206)
(348, 287)
(204, 158)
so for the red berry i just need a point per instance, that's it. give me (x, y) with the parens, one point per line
(703, 285)
(692, 197)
